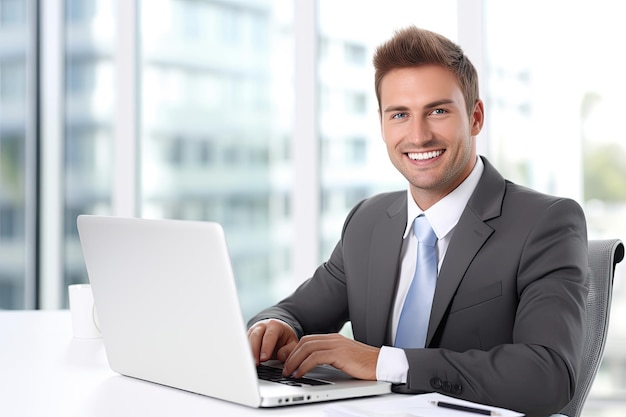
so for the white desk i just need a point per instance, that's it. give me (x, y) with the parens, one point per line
(44, 371)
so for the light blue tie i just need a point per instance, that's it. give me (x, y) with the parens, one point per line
(413, 323)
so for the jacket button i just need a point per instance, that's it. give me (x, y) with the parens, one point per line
(436, 383)
(456, 389)
(447, 386)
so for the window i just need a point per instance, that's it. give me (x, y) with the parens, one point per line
(356, 103)
(228, 122)
(17, 181)
(13, 79)
(10, 223)
(81, 72)
(85, 160)
(347, 103)
(80, 10)
(12, 12)
(356, 54)
(555, 103)
(356, 151)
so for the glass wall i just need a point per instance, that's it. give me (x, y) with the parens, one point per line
(554, 101)
(89, 29)
(17, 145)
(216, 124)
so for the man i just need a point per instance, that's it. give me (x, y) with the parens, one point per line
(506, 323)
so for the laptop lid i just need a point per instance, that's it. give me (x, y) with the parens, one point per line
(169, 313)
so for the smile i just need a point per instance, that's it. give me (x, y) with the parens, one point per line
(421, 156)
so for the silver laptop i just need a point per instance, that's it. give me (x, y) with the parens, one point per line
(169, 313)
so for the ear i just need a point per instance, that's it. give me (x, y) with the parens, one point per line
(478, 117)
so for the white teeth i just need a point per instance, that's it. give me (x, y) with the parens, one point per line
(424, 155)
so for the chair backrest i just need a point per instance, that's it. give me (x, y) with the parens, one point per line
(604, 255)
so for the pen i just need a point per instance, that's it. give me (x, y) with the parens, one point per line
(459, 407)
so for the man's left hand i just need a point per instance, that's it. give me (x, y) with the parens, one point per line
(354, 358)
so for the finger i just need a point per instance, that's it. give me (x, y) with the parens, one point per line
(322, 355)
(273, 333)
(283, 353)
(307, 346)
(255, 338)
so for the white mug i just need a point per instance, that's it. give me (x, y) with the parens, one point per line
(84, 317)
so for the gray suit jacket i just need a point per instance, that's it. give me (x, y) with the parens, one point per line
(506, 326)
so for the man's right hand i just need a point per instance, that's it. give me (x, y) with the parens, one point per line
(271, 339)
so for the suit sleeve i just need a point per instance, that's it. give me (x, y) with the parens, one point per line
(536, 372)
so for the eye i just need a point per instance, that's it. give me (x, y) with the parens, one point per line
(400, 115)
(439, 111)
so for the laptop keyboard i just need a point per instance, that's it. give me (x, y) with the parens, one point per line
(270, 373)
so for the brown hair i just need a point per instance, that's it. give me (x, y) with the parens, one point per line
(413, 47)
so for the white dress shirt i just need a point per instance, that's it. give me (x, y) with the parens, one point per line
(443, 216)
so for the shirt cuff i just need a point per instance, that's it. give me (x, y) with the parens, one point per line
(392, 365)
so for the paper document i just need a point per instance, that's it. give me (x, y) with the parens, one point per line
(422, 405)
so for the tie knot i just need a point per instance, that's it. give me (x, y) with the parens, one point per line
(423, 232)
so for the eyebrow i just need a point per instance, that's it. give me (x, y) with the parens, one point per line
(430, 105)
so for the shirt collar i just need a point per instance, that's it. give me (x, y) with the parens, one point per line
(445, 213)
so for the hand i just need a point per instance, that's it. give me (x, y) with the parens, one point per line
(272, 339)
(354, 358)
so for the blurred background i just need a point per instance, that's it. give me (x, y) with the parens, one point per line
(261, 115)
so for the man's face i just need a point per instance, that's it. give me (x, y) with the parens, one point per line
(429, 136)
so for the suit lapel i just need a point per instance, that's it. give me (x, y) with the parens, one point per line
(470, 234)
(383, 267)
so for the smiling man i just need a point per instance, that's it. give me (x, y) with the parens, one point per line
(429, 134)
(494, 313)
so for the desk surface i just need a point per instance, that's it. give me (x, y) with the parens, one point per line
(44, 371)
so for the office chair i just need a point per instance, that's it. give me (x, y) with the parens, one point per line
(604, 255)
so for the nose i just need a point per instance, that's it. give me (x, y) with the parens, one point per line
(419, 131)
